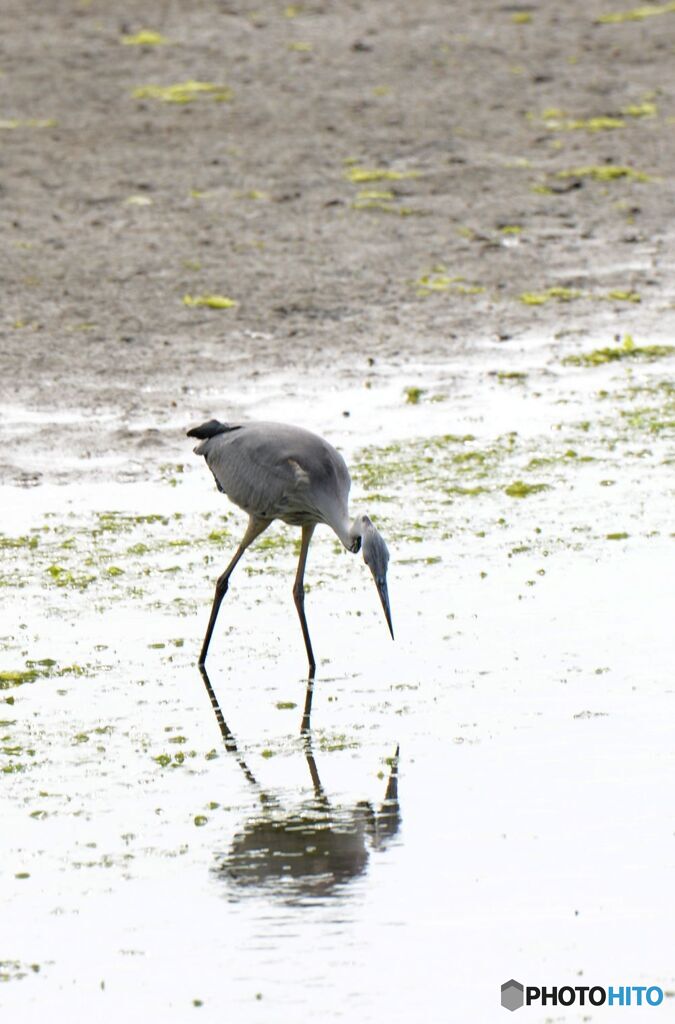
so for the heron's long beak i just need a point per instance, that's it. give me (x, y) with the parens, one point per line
(381, 584)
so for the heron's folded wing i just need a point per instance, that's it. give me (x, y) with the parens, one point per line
(255, 474)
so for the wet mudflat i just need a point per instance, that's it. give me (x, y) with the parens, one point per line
(440, 235)
(154, 858)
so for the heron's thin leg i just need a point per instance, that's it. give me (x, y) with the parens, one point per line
(299, 593)
(254, 529)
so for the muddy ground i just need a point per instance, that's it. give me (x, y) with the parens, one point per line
(437, 218)
(115, 206)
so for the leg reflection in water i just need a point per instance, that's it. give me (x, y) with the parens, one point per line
(310, 847)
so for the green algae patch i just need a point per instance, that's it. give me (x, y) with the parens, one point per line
(183, 92)
(439, 281)
(617, 536)
(217, 536)
(413, 395)
(31, 122)
(139, 201)
(332, 742)
(646, 109)
(387, 207)
(48, 668)
(362, 175)
(18, 542)
(370, 194)
(556, 292)
(17, 677)
(617, 295)
(521, 489)
(15, 969)
(627, 350)
(593, 124)
(146, 37)
(466, 492)
(123, 522)
(433, 463)
(636, 14)
(659, 415)
(43, 668)
(175, 761)
(63, 577)
(210, 301)
(542, 461)
(605, 173)
(279, 540)
(561, 294)
(469, 289)
(138, 549)
(558, 121)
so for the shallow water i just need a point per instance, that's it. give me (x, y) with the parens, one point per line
(156, 862)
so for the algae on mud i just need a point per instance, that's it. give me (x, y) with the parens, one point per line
(628, 350)
(637, 13)
(144, 37)
(520, 489)
(184, 92)
(537, 430)
(605, 173)
(363, 175)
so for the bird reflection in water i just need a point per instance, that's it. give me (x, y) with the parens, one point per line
(313, 848)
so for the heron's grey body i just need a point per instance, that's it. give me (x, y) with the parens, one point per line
(274, 471)
(277, 471)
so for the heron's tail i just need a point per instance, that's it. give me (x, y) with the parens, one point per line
(210, 429)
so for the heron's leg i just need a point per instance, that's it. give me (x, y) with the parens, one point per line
(299, 593)
(254, 529)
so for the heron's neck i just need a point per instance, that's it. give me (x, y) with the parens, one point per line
(348, 531)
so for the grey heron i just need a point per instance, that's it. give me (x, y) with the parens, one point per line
(276, 471)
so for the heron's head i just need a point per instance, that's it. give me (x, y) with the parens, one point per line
(376, 557)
